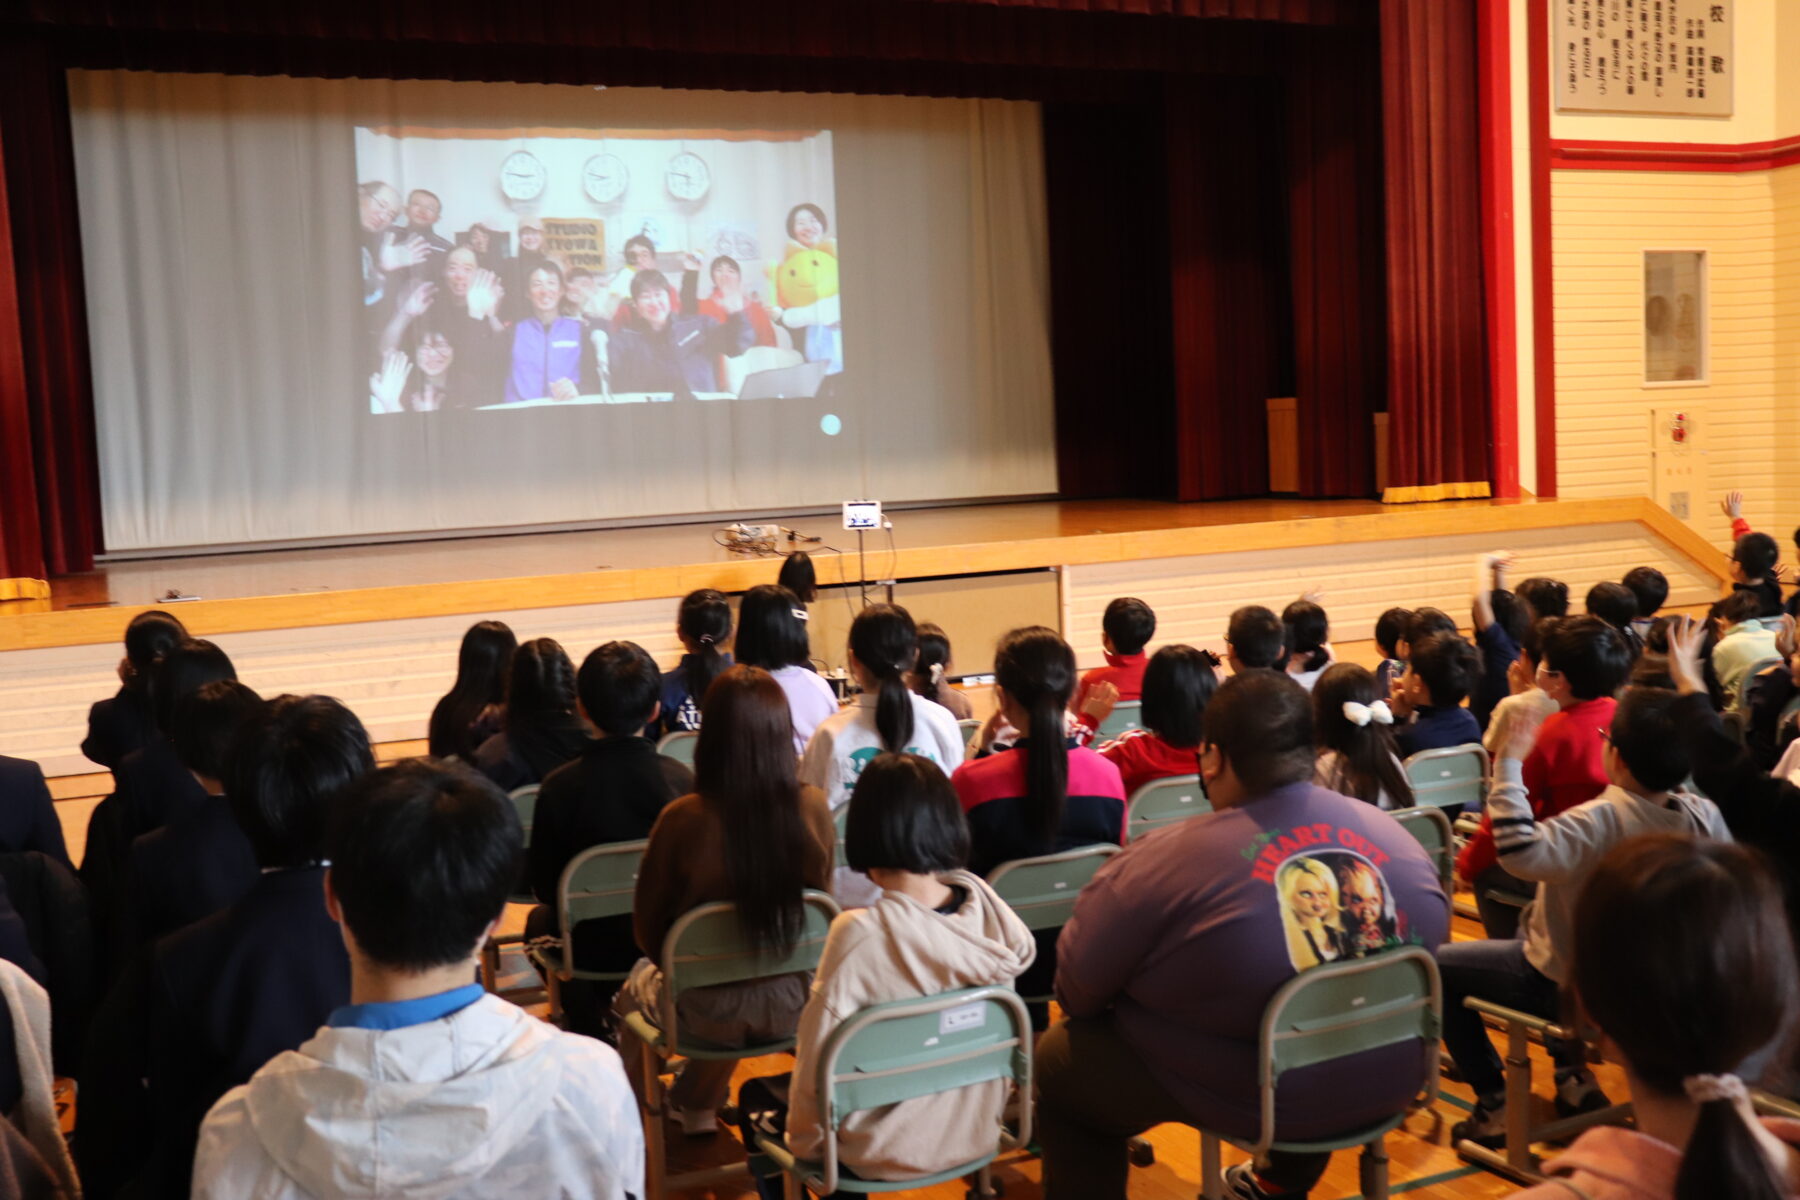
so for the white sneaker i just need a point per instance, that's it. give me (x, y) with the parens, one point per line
(696, 1122)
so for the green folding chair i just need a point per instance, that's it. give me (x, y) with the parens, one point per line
(1122, 719)
(679, 745)
(524, 801)
(840, 820)
(599, 882)
(1164, 802)
(706, 948)
(1451, 778)
(1332, 1012)
(906, 1049)
(1042, 890)
(1431, 826)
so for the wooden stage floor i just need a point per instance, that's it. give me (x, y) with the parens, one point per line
(289, 588)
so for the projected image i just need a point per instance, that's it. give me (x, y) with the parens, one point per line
(504, 269)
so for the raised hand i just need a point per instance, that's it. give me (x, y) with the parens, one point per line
(1685, 638)
(1732, 505)
(485, 293)
(419, 299)
(1101, 699)
(1784, 636)
(397, 255)
(387, 384)
(691, 261)
(1520, 734)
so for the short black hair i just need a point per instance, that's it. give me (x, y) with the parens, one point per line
(619, 685)
(771, 631)
(205, 721)
(1426, 621)
(183, 668)
(1744, 604)
(423, 854)
(1130, 623)
(646, 279)
(1647, 736)
(1256, 635)
(637, 239)
(1591, 655)
(1756, 553)
(1510, 613)
(1547, 597)
(814, 209)
(1449, 667)
(1178, 683)
(1613, 603)
(1390, 627)
(1262, 722)
(904, 816)
(1650, 587)
(286, 765)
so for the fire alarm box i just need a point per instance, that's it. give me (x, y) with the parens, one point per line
(1678, 455)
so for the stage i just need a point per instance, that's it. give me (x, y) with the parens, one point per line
(378, 625)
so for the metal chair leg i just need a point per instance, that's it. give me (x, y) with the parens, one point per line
(1374, 1170)
(656, 1163)
(490, 965)
(1212, 1179)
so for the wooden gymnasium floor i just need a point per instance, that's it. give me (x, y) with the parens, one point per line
(1422, 1164)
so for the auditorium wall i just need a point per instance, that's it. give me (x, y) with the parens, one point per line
(1601, 220)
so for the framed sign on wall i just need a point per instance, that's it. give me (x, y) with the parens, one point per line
(1668, 57)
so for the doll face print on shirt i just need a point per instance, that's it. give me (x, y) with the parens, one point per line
(1334, 901)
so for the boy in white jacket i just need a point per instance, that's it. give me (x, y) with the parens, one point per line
(935, 928)
(425, 1086)
(1646, 762)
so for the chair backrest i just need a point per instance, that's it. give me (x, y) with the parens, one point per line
(1123, 718)
(1346, 1008)
(679, 745)
(1042, 890)
(1452, 777)
(1431, 826)
(525, 802)
(906, 1049)
(840, 820)
(1164, 802)
(706, 947)
(601, 881)
(967, 726)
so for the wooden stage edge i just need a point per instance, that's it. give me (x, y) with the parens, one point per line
(288, 589)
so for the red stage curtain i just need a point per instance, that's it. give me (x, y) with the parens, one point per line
(49, 482)
(1437, 350)
(1336, 251)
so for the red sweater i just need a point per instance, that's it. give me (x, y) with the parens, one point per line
(1142, 757)
(1566, 767)
(1123, 671)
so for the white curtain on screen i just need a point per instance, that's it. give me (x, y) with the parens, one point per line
(220, 243)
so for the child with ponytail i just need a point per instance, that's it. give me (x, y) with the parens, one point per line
(1684, 962)
(1354, 728)
(703, 624)
(887, 716)
(929, 675)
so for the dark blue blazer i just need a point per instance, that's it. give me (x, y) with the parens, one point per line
(27, 815)
(117, 726)
(155, 788)
(229, 993)
(188, 870)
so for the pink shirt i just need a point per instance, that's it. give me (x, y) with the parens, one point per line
(1613, 1163)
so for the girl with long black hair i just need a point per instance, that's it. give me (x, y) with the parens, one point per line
(541, 729)
(1178, 683)
(772, 635)
(749, 833)
(930, 674)
(1354, 728)
(469, 713)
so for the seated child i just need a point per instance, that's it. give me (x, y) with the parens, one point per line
(1645, 766)
(1307, 631)
(1254, 639)
(1745, 642)
(1390, 629)
(929, 676)
(1177, 684)
(1354, 729)
(1440, 671)
(1697, 927)
(1501, 619)
(1650, 589)
(1126, 629)
(935, 928)
(1617, 605)
(1753, 559)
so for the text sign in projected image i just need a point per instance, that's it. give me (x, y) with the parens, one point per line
(525, 268)
(1643, 56)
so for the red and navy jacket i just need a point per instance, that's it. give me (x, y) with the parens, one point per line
(992, 791)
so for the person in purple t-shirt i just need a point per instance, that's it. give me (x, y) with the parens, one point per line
(1179, 943)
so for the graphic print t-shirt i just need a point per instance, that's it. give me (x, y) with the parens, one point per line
(1190, 931)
